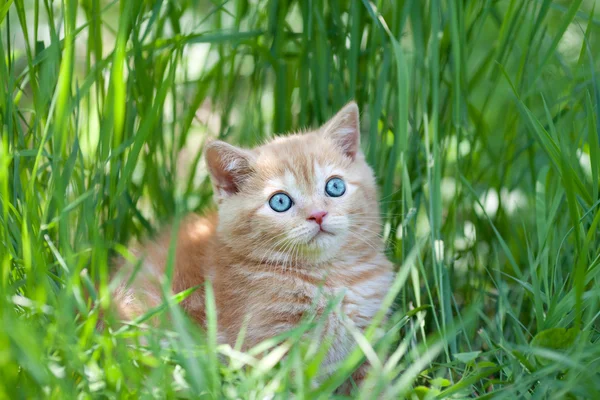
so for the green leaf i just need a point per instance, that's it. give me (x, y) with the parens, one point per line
(423, 392)
(440, 382)
(467, 357)
(555, 338)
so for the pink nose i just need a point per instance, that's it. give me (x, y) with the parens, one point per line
(317, 216)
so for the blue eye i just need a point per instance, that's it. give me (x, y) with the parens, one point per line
(335, 187)
(280, 202)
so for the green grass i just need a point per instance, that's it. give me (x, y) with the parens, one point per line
(480, 118)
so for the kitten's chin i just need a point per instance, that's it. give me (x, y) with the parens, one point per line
(322, 247)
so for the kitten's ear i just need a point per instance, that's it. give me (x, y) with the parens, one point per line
(344, 129)
(229, 166)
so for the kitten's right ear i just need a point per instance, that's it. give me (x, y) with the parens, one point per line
(229, 166)
(344, 129)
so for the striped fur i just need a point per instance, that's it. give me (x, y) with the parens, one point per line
(272, 268)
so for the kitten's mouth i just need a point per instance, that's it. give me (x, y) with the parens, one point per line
(321, 232)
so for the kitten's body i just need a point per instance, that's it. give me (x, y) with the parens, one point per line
(269, 268)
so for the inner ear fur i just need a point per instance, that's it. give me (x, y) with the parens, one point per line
(229, 166)
(344, 129)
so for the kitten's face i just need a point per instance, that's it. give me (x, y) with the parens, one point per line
(307, 198)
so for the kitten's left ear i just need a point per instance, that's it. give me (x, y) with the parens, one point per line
(344, 129)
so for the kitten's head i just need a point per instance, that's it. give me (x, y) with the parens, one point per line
(305, 198)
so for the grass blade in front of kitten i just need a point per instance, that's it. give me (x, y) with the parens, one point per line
(65, 146)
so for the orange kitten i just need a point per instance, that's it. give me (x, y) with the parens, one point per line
(297, 217)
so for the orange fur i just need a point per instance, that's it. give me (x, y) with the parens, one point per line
(271, 266)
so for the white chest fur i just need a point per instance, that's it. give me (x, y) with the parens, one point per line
(359, 304)
(279, 301)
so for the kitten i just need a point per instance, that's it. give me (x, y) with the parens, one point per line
(297, 217)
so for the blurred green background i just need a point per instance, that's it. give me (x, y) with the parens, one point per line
(480, 118)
